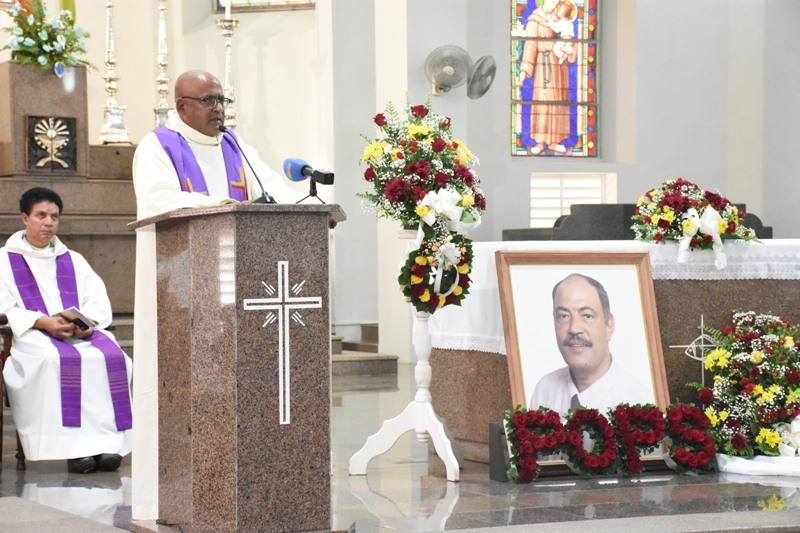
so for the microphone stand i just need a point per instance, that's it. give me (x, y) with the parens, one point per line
(265, 198)
(312, 192)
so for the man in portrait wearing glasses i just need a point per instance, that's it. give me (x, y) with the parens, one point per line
(188, 163)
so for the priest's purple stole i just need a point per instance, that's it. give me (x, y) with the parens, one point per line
(70, 358)
(189, 174)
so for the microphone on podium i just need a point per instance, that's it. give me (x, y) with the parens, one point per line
(265, 198)
(299, 170)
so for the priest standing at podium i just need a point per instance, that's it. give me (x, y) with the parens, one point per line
(188, 163)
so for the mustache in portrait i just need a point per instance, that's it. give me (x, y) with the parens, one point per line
(576, 338)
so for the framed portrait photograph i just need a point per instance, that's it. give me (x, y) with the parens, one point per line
(581, 329)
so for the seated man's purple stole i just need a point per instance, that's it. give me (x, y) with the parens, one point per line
(189, 173)
(69, 355)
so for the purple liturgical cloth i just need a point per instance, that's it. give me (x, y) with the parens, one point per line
(69, 356)
(189, 174)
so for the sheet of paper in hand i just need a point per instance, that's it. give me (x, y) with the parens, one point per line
(76, 317)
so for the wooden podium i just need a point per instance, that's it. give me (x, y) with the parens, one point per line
(244, 367)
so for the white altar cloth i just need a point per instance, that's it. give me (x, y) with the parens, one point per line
(478, 323)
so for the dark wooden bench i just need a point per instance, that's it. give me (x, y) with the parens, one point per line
(5, 333)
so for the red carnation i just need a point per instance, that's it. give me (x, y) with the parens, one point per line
(464, 174)
(705, 396)
(528, 462)
(419, 168)
(438, 145)
(442, 179)
(419, 111)
(533, 418)
(523, 434)
(419, 270)
(397, 190)
(674, 415)
(380, 119)
(418, 193)
(738, 442)
(524, 447)
(633, 465)
(681, 455)
(526, 475)
(418, 290)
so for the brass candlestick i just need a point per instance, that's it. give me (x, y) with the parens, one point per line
(162, 80)
(113, 130)
(227, 26)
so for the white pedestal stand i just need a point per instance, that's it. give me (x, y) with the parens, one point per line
(418, 415)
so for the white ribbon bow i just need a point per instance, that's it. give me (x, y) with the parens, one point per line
(444, 203)
(791, 437)
(447, 257)
(707, 224)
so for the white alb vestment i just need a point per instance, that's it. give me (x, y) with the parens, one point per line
(556, 389)
(32, 373)
(158, 190)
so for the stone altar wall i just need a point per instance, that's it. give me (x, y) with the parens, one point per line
(98, 194)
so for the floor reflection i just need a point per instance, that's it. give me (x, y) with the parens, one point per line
(406, 489)
(430, 515)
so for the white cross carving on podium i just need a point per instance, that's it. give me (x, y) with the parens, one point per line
(282, 308)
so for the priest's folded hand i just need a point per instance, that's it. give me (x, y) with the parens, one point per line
(58, 327)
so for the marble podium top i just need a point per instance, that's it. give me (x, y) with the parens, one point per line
(335, 211)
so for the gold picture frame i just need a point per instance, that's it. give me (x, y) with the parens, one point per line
(526, 281)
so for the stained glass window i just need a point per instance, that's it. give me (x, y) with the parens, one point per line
(553, 78)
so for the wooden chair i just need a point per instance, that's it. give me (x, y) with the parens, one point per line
(5, 333)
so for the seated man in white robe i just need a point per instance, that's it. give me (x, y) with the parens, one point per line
(68, 384)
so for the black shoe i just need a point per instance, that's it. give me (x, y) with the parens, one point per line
(107, 462)
(81, 465)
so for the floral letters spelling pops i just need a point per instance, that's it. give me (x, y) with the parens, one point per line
(616, 439)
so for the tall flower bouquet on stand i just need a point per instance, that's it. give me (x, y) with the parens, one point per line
(420, 176)
(698, 219)
(47, 43)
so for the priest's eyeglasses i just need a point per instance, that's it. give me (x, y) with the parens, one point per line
(212, 101)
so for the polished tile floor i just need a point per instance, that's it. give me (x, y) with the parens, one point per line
(405, 490)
